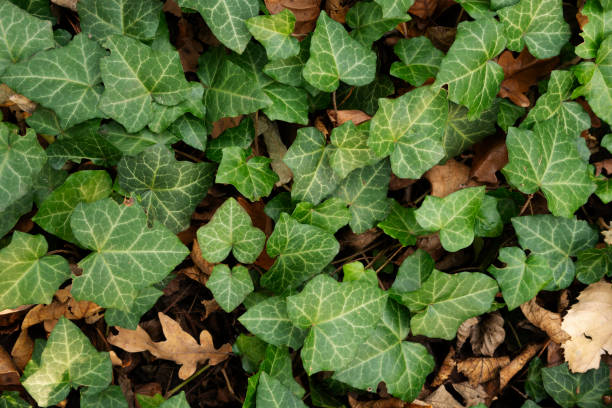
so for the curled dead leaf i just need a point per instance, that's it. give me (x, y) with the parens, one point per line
(423, 8)
(337, 9)
(9, 375)
(196, 256)
(384, 403)
(545, 320)
(479, 370)
(472, 395)
(448, 178)
(441, 398)
(355, 116)
(71, 4)
(448, 365)
(510, 370)
(488, 334)
(179, 346)
(22, 349)
(276, 149)
(490, 156)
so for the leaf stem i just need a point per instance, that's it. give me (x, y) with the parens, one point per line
(187, 381)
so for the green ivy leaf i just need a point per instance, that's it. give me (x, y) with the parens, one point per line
(454, 216)
(252, 177)
(445, 301)
(593, 264)
(537, 24)
(272, 393)
(230, 287)
(365, 192)
(157, 401)
(68, 360)
(112, 397)
(508, 114)
(402, 365)
(137, 19)
(461, 132)
(410, 129)
(83, 186)
(289, 70)
(330, 215)
(252, 61)
(27, 275)
(239, 136)
(394, 8)
(355, 271)
(335, 56)
(599, 25)
(11, 214)
(365, 98)
(534, 385)
(477, 8)
(65, 79)
(191, 130)
(144, 301)
(582, 389)
(226, 19)
(277, 363)
(289, 104)
(135, 78)
(231, 229)
(351, 149)
(547, 159)
(473, 79)
(488, 221)
(11, 399)
(522, 277)
(596, 80)
(280, 203)
(419, 58)
(556, 239)
(131, 144)
(369, 23)
(269, 320)
(412, 273)
(21, 159)
(127, 255)
(22, 35)
(302, 250)
(339, 318)
(37, 8)
(164, 116)
(401, 224)
(169, 190)
(308, 158)
(274, 32)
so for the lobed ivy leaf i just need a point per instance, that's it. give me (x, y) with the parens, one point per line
(252, 177)
(335, 56)
(68, 360)
(402, 365)
(547, 159)
(272, 393)
(11, 214)
(289, 103)
(355, 271)
(112, 397)
(419, 60)
(401, 224)
(537, 24)
(410, 129)
(571, 389)
(412, 273)
(461, 132)
(289, 70)
(454, 216)
(231, 229)
(301, 251)
(144, 301)
(534, 386)
(555, 239)
(277, 363)
(339, 318)
(137, 19)
(351, 149)
(330, 215)
(169, 190)
(192, 130)
(445, 301)
(164, 116)
(37, 8)
(127, 257)
(66, 80)
(83, 186)
(522, 277)
(229, 288)
(274, 32)
(27, 274)
(369, 23)
(365, 98)
(394, 8)
(595, 30)
(239, 136)
(508, 114)
(473, 79)
(477, 8)
(131, 144)
(488, 221)
(22, 35)
(593, 264)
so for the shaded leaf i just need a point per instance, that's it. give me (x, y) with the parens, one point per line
(593, 264)
(230, 288)
(252, 177)
(289, 103)
(274, 32)
(599, 25)
(351, 149)
(568, 390)
(461, 131)
(419, 58)
(330, 215)
(272, 393)
(369, 23)
(402, 225)
(412, 273)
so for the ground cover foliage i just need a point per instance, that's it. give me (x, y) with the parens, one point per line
(291, 203)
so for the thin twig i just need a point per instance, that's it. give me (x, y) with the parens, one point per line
(187, 381)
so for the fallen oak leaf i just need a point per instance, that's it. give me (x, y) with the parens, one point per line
(545, 320)
(179, 346)
(342, 116)
(441, 398)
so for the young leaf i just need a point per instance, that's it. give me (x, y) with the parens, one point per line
(537, 24)
(410, 129)
(339, 318)
(461, 132)
(112, 397)
(274, 32)
(595, 30)
(402, 365)
(230, 288)
(289, 104)
(21, 159)
(127, 255)
(593, 264)
(547, 159)
(419, 60)
(68, 360)
(277, 363)
(231, 229)
(54, 213)
(65, 79)
(582, 389)
(355, 271)
(369, 24)
(226, 19)
(252, 177)
(135, 77)
(137, 19)
(330, 215)
(169, 190)
(522, 277)
(454, 216)
(269, 320)
(27, 275)
(272, 393)
(22, 35)
(473, 80)
(308, 159)
(335, 56)
(412, 273)
(401, 224)
(365, 192)
(351, 148)
(394, 8)
(302, 251)
(445, 301)
(555, 239)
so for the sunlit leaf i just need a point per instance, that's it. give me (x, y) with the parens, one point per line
(252, 177)
(330, 215)
(137, 19)
(274, 32)
(230, 287)
(419, 60)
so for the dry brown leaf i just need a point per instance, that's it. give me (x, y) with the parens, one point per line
(114, 358)
(223, 124)
(448, 178)
(448, 365)
(603, 165)
(306, 13)
(423, 8)
(179, 346)
(441, 37)
(211, 307)
(472, 396)
(188, 47)
(589, 323)
(22, 349)
(479, 370)
(397, 183)
(516, 365)
(196, 256)
(521, 73)
(465, 330)
(441, 398)
(545, 320)
(384, 403)
(337, 9)
(276, 149)
(71, 4)
(607, 236)
(355, 116)
(195, 274)
(490, 156)
(9, 375)
(488, 334)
